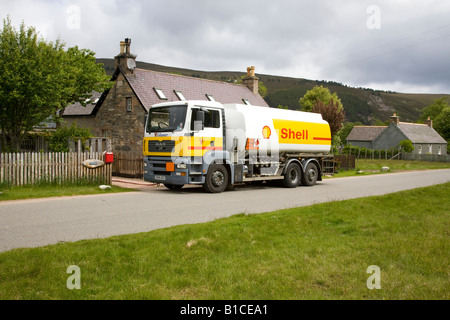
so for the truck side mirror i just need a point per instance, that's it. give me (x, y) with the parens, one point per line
(199, 123)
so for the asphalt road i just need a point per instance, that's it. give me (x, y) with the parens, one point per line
(33, 223)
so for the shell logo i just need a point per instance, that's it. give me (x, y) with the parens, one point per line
(266, 132)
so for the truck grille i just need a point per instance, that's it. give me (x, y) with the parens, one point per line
(161, 146)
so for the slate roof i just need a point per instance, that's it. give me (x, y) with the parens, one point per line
(77, 109)
(144, 81)
(420, 133)
(365, 133)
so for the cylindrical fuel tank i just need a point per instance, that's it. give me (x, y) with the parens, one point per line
(274, 131)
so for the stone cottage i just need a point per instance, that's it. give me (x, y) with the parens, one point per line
(120, 113)
(423, 137)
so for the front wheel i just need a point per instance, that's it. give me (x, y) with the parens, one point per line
(309, 178)
(216, 179)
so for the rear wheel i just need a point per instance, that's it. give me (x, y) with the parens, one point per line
(216, 179)
(309, 178)
(292, 176)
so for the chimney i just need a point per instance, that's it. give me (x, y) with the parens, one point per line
(125, 60)
(251, 81)
(429, 122)
(395, 119)
(127, 45)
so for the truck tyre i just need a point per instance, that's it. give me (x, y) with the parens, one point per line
(292, 176)
(216, 179)
(173, 186)
(309, 178)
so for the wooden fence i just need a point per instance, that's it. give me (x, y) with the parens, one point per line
(55, 167)
(128, 164)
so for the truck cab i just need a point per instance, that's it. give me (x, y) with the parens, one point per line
(182, 140)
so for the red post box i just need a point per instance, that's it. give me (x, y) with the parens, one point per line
(109, 157)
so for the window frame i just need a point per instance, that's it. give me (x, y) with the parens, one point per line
(129, 104)
(160, 93)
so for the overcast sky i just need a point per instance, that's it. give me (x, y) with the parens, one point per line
(399, 45)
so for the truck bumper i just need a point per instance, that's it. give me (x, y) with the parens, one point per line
(165, 170)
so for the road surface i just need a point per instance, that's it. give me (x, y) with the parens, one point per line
(39, 222)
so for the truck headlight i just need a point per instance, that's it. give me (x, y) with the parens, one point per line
(181, 166)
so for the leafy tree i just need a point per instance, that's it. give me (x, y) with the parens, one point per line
(439, 112)
(442, 124)
(40, 78)
(59, 141)
(262, 90)
(434, 109)
(316, 94)
(407, 146)
(333, 113)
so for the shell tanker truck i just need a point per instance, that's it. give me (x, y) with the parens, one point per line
(218, 145)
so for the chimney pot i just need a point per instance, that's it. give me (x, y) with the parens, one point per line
(395, 119)
(251, 81)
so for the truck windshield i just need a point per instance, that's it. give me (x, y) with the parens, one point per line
(166, 119)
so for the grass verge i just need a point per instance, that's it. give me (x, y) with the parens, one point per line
(54, 190)
(367, 167)
(316, 252)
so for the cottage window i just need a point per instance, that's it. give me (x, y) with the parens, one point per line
(179, 95)
(419, 150)
(160, 94)
(246, 102)
(129, 104)
(210, 97)
(430, 148)
(439, 150)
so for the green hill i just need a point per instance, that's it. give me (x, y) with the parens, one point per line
(361, 104)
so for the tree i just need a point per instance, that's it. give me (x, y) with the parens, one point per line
(40, 78)
(59, 141)
(439, 112)
(316, 94)
(406, 146)
(433, 110)
(333, 113)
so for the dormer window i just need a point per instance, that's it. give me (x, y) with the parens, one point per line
(210, 98)
(179, 95)
(160, 94)
(247, 102)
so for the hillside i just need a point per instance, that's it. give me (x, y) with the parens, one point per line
(361, 104)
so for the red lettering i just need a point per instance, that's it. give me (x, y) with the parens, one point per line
(294, 135)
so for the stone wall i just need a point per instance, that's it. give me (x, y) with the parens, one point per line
(125, 128)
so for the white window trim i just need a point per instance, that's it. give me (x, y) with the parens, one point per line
(180, 95)
(160, 93)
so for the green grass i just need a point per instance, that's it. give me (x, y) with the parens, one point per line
(374, 167)
(316, 252)
(53, 190)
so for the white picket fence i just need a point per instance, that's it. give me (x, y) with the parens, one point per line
(29, 168)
